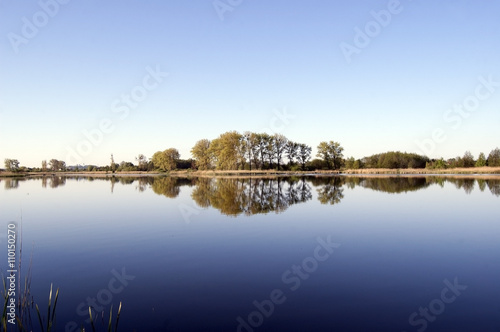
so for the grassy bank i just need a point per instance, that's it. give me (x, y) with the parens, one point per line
(426, 171)
(212, 173)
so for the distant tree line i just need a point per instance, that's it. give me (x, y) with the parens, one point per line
(402, 160)
(467, 160)
(261, 151)
(391, 160)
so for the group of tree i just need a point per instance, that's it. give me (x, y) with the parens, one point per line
(250, 151)
(55, 165)
(11, 165)
(166, 160)
(261, 151)
(391, 160)
(467, 160)
(331, 154)
(170, 160)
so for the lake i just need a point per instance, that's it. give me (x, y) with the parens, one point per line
(330, 253)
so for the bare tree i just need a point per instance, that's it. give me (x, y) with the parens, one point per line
(291, 151)
(304, 154)
(142, 162)
(280, 145)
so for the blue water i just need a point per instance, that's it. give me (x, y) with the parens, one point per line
(286, 254)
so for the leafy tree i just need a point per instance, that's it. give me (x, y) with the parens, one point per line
(158, 160)
(226, 151)
(57, 165)
(349, 163)
(468, 159)
(280, 145)
(126, 166)
(317, 164)
(44, 165)
(457, 162)
(436, 164)
(395, 160)
(201, 153)
(166, 160)
(440, 164)
(494, 158)
(11, 165)
(481, 160)
(303, 154)
(331, 153)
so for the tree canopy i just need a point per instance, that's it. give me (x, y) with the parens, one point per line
(235, 151)
(331, 153)
(166, 160)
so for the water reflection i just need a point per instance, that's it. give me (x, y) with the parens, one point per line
(252, 195)
(235, 196)
(330, 189)
(393, 185)
(169, 187)
(11, 183)
(494, 186)
(219, 269)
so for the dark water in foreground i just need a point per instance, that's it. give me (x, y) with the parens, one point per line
(282, 254)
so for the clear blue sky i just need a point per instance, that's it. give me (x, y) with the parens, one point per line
(236, 73)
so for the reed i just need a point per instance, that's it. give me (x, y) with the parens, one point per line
(25, 304)
(51, 312)
(110, 321)
(91, 320)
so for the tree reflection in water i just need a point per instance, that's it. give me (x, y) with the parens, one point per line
(235, 196)
(253, 195)
(392, 185)
(169, 186)
(330, 189)
(494, 186)
(11, 183)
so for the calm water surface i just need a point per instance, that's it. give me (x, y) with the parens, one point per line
(263, 254)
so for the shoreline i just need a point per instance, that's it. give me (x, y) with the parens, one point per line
(473, 171)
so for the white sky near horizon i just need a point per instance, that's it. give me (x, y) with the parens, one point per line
(70, 73)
